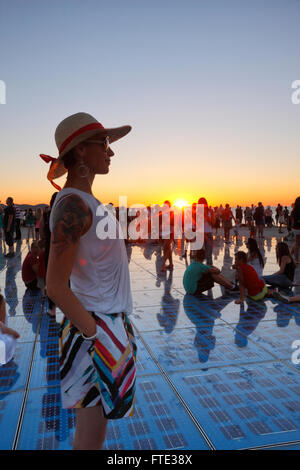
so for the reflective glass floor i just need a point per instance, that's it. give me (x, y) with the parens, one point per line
(211, 375)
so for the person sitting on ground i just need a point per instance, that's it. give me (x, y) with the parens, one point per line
(286, 299)
(248, 279)
(199, 277)
(285, 276)
(255, 258)
(30, 267)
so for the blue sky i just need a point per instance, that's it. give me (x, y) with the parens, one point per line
(206, 86)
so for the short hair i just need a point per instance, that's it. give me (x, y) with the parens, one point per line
(241, 256)
(200, 254)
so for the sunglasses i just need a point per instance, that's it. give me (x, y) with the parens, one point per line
(104, 142)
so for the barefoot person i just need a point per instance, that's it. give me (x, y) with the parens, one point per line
(199, 277)
(97, 345)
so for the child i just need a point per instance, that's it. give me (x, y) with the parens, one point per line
(248, 279)
(200, 277)
(8, 336)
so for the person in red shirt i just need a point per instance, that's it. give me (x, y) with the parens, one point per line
(30, 267)
(248, 279)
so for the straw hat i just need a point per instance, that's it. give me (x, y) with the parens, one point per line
(73, 130)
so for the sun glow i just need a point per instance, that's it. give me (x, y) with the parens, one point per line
(181, 203)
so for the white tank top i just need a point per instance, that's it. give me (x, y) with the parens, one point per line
(100, 275)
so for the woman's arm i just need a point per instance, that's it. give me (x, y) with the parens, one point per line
(72, 219)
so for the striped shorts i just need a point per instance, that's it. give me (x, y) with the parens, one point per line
(100, 372)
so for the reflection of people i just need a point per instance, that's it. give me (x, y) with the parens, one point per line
(170, 307)
(8, 336)
(199, 277)
(248, 322)
(204, 340)
(167, 232)
(11, 291)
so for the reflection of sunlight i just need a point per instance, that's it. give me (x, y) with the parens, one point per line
(181, 203)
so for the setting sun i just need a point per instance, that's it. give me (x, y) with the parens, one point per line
(181, 203)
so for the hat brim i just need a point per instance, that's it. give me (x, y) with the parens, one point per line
(58, 169)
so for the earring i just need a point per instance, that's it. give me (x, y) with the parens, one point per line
(82, 170)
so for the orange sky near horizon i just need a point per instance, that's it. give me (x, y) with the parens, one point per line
(35, 192)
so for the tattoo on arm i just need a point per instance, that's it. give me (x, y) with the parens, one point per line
(69, 222)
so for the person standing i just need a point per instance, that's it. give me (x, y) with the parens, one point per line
(97, 344)
(18, 218)
(9, 223)
(30, 224)
(208, 231)
(259, 217)
(167, 237)
(278, 210)
(227, 222)
(268, 213)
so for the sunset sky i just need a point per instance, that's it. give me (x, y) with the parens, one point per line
(206, 86)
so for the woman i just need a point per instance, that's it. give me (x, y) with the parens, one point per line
(97, 346)
(285, 276)
(30, 223)
(295, 223)
(254, 257)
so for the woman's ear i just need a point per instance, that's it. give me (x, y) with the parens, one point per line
(80, 151)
